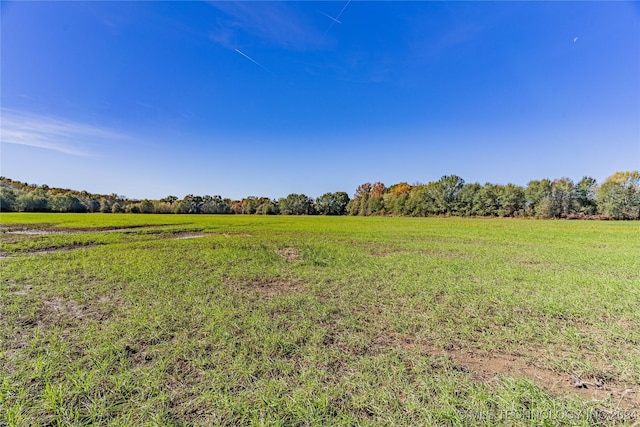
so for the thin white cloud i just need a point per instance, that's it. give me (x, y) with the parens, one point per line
(24, 128)
(274, 23)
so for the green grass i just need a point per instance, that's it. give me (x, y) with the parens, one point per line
(317, 321)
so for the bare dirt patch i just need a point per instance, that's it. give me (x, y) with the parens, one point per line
(45, 251)
(267, 287)
(289, 254)
(596, 389)
(63, 307)
(486, 368)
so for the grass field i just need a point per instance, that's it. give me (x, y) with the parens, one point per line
(231, 320)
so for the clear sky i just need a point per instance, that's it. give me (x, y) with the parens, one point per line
(147, 99)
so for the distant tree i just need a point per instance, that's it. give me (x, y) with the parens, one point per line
(586, 196)
(169, 199)
(250, 204)
(32, 201)
(163, 207)
(296, 204)
(332, 203)
(360, 202)
(535, 193)
(559, 201)
(466, 199)
(7, 200)
(236, 207)
(146, 206)
(487, 200)
(116, 208)
(215, 205)
(619, 196)
(66, 203)
(267, 207)
(395, 199)
(105, 205)
(193, 204)
(511, 200)
(375, 205)
(133, 208)
(422, 199)
(448, 188)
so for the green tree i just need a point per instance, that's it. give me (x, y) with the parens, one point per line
(536, 192)
(7, 200)
(66, 203)
(105, 205)
(619, 196)
(33, 201)
(360, 202)
(146, 206)
(466, 206)
(296, 204)
(511, 200)
(169, 199)
(332, 203)
(486, 201)
(586, 196)
(447, 190)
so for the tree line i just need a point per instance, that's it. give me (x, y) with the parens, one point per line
(618, 197)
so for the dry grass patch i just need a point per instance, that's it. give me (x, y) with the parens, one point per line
(289, 254)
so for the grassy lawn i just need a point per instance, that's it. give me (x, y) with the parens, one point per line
(231, 320)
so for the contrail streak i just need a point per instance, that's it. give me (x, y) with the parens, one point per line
(335, 20)
(252, 60)
(331, 17)
(343, 8)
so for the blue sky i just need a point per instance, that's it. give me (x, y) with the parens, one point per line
(147, 99)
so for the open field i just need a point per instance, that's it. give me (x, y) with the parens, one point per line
(230, 320)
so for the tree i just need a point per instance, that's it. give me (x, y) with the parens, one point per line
(360, 201)
(192, 204)
(375, 204)
(396, 197)
(250, 204)
(66, 203)
(296, 204)
(451, 186)
(7, 200)
(105, 205)
(586, 196)
(169, 199)
(146, 206)
(332, 203)
(511, 200)
(619, 196)
(467, 198)
(422, 199)
(486, 200)
(215, 205)
(535, 193)
(33, 201)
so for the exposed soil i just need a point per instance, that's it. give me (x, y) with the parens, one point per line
(289, 254)
(267, 287)
(31, 230)
(72, 309)
(45, 251)
(487, 368)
